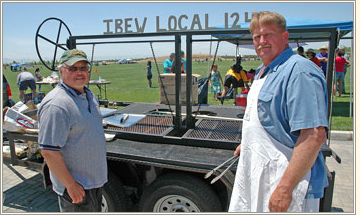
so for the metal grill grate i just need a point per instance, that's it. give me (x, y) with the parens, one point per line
(217, 130)
(149, 125)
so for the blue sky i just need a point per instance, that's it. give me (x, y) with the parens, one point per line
(20, 22)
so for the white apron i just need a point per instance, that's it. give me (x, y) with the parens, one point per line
(262, 163)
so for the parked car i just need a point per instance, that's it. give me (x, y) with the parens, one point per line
(122, 61)
(7, 100)
(126, 61)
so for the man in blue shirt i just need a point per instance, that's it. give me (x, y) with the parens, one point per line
(281, 167)
(323, 58)
(71, 137)
(168, 63)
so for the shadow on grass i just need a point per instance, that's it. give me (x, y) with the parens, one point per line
(341, 109)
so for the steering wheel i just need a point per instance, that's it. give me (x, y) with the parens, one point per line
(55, 41)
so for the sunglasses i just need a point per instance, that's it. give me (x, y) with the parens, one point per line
(74, 68)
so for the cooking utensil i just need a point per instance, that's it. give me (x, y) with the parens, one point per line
(235, 157)
(223, 173)
(123, 120)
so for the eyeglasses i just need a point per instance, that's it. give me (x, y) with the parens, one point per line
(74, 68)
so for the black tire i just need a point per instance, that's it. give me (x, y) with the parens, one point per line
(114, 199)
(178, 192)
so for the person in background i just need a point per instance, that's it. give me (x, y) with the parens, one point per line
(24, 80)
(281, 167)
(340, 63)
(250, 75)
(72, 139)
(182, 67)
(7, 96)
(214, 81)
(311, 55)
(342, 49)
(300, 51)
(183, 59)
(323, 58)
(38, 77)
(236, 77)
(168, 63)
(149, 73)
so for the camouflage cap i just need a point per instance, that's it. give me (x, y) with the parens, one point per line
(72, 56)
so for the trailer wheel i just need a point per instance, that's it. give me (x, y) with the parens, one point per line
(113, 195)
(179, 193)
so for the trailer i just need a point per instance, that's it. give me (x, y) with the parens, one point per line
(167, 176)
(160, 159)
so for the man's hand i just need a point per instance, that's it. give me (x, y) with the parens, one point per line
(237, 150)
(57, 165)
(76, 193)
(280, 200)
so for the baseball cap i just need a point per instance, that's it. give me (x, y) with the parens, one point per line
(72, 56)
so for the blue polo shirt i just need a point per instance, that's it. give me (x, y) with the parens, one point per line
(294, 97)
(167, 63)
(70, 122)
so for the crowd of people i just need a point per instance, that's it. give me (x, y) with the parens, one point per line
(321, 59)
(237, 77)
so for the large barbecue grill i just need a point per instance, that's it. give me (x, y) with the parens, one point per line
(221, 130)
(183, 126)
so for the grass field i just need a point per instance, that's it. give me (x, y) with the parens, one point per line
(129, 83)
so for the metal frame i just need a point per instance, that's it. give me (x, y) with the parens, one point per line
(14, 160)
(333, 39)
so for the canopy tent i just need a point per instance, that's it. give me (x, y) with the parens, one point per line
(345, 27)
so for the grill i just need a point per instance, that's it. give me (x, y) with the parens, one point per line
(211, 129)
(210, 133)
(154, 125)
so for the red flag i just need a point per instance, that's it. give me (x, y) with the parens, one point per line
(95, 70)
